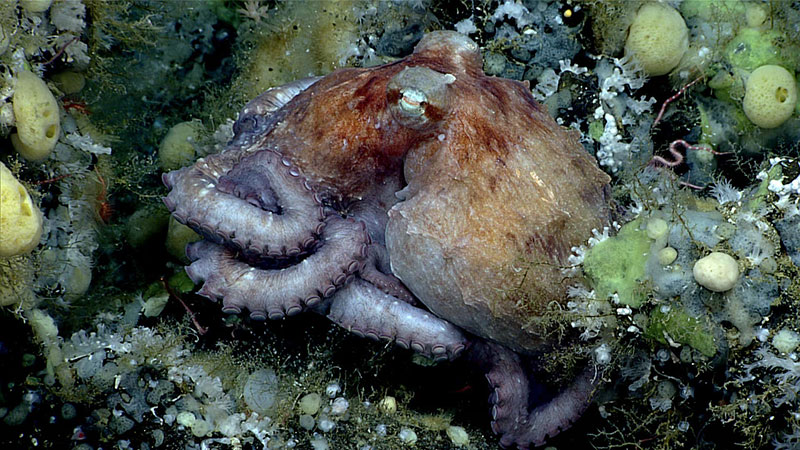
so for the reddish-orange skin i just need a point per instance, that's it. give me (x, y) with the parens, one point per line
(497, 193)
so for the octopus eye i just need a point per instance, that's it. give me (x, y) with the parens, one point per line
(413, 101)
(418, 96)
(248, 124)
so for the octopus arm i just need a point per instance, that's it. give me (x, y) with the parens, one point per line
(377, 272)
(513, 418)
(368, 311)
(276, 293)
(215, 197)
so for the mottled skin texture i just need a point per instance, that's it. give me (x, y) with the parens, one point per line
(420, 201)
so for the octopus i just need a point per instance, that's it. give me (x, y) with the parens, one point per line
(420, 202)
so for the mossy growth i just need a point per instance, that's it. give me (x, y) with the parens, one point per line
(757, 198)
(752, 48)
(670, 324)
(610, 21)
(16, 281)
(617, 265)
(296, 40)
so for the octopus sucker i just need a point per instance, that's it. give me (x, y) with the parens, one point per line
(402, 202)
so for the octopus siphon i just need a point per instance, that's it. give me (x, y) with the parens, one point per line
(420, 202)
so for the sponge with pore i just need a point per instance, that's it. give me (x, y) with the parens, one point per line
(770, 96)
(37, 116)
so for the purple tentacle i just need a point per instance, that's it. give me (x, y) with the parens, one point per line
(367, 311)
(198, 200)
(511, 417)
(276, 293)
(252, 186)
(377, 272)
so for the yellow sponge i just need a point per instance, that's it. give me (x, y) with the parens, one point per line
(20, 219)
(657, 38)
(37, 116)
(770, 96)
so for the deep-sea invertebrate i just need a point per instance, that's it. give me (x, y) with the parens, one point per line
(20, 219)
(770, 96)
(657, 38)
(362, 193)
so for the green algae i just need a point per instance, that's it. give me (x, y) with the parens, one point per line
(673, 324)
(617, 265)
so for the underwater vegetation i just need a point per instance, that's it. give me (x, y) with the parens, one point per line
(686, 306)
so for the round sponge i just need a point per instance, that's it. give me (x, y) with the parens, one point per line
(20, 219)
(770, 96)
(177, 150)
(657, 38)
(716, 272)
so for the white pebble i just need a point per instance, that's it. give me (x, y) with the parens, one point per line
(602, 354)
(785, 340)
(325, 425)
(408, 436)
(339, 406)
(333, 389)
(186, 418)
(319, 443)
(716, 272)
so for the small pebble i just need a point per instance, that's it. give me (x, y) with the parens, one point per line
(657, 228)
(458, 436)
(388, 405)
(186, 418)
(158, 437)
(120, 424)
(785, 340)
(667, 256)
(339, 406)
(68, 411)
(307, 422)
(319, 443)
(201, 428)
(310, 403)
(333, 389)
(408, 436)
(326, 425)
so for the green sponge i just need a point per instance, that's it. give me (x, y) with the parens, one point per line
(617, 265)
(672, 323)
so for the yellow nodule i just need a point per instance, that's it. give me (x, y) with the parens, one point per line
(20, 219)
(770, 96)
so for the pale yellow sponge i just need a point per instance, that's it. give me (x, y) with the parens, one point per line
(657, 38)
(177, 148)
(20, 219)
(37, 116)
(770, 96)
(716, 272)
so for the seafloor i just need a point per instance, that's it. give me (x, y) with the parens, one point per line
(104, 343)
